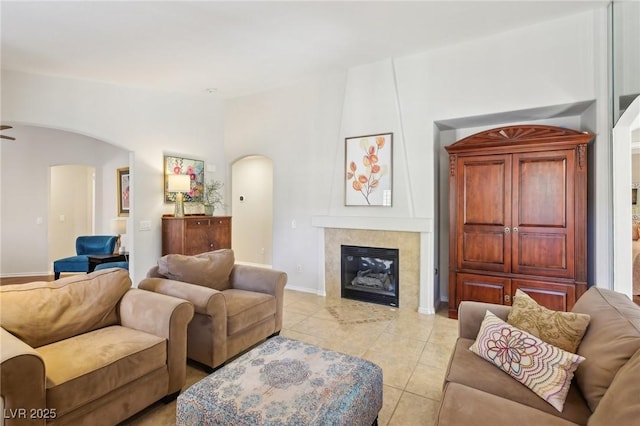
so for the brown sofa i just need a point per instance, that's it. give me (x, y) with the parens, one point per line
(88, 349)
(604, 390)
(236, 306)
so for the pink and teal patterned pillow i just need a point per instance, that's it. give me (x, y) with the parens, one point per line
(543, 368)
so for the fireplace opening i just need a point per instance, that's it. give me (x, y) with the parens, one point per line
(370, 274)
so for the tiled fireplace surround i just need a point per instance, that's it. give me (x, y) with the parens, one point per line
(413, 237)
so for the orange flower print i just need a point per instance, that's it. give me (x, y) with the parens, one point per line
(367, 180)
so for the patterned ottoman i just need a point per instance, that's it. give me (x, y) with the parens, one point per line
(286, 382)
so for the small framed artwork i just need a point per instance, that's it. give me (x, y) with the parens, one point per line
(634, 196)
(122, 176)
(368, 170)
(184, 166)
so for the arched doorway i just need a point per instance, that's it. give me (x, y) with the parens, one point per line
(622, 212)
(71, 207)
(26, 181)
(252, 209)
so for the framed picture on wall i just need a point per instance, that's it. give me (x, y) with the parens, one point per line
(184, 166)
(634, 196)
(368, 170)
(122, 177)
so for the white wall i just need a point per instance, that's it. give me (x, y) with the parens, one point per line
(626, 44)
(297, 128)
(302, 127)
(144, 122)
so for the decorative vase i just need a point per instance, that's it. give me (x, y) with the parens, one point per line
(208, 210)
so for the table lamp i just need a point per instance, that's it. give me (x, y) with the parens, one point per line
(119, 227)
(179, 184)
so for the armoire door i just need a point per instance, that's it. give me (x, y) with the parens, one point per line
(484, 213)
(542, 216)
(483, 288)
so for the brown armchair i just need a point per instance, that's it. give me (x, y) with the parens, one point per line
(88, 349)
(236, 306)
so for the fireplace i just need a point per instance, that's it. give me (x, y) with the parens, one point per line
(370, 274)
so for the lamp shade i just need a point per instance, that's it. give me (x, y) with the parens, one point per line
(179, 183)
(118, 226)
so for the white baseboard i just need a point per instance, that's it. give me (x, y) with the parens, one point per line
(26, 274)
(305, 290)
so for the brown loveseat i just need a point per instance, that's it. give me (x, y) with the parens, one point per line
(236, 306)
(605, 389)
(88, 349)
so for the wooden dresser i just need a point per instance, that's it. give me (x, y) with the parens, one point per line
(518, 216)
(195, 234)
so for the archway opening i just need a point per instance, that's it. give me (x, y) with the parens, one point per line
(71, 207)
(252, 209)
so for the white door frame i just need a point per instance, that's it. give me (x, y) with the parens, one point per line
(621, 162)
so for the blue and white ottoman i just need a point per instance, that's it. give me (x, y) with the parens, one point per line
(286, 382)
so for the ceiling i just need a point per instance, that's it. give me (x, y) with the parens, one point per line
(238, 47)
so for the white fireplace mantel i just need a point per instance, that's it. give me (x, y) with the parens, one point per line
(374, 223)
(423, 226)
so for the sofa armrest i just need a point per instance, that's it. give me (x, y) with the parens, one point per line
(258, 279)
(471, 314)
(154, 272)
(22, 381)
(164, 316)
(261, 280)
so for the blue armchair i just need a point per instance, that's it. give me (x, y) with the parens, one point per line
(85, 246)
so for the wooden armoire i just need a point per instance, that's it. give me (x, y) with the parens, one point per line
(518, 216)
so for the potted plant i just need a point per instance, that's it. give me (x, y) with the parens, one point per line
(212, 197)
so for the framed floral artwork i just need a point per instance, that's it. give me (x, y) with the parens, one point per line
(368, 170)
(184, 166)
(122, 179)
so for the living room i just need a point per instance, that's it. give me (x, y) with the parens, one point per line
(530, 76)
(553, 69)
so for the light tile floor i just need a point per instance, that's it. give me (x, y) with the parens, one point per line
(412, 349)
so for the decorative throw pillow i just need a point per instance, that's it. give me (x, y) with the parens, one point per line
(543, 368)
(211, 269)
(561, 329)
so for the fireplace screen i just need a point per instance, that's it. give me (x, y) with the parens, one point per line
(370, 274)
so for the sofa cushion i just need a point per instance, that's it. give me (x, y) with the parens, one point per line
(463, 405)
(561, 329)
(543, 368)
(247, 308)
(468, 369)
(40, 313)
(111, 357)
(211, 269)
(612, 338)
(620, 404)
